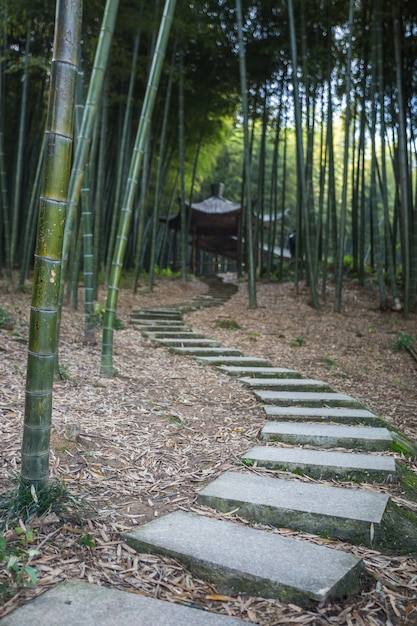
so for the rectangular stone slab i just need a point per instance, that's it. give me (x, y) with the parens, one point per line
(245, 560)
(328, 435)
(158, 328)
(235, 360)
(342, 415)
(76, 602)
(346, 514)
(219, 352)
(306, 398)
(189, 343)
(157, 315)
(155, 322)
(286, 384)
(259, 372)
(323, 463)
(171, 334)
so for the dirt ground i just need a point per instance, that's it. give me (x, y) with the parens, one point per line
(143, 443)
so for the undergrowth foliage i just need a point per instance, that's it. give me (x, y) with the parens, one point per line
(19, 507)
(15, 570)
(26, 502)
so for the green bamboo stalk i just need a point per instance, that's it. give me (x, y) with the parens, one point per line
(18, 178)
(88, 124)
(4, 200)
(131, 187)
(181, 152)
(158, 182)
(29, 232)
(247, 196)
(48, 252)
(312, 279)
(121, 162)
(88, 260)
(342, 223)
(405, 202)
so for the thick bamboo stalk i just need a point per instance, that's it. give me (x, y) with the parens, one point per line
(48, 252)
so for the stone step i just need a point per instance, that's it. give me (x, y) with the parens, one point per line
(208, 351)
(342, 415)
(156, 315)
(306, 398)
(145, 321)
(324, 464)
(172, 334)
(328, 435)
(240, 559)
(259, 372)
(76, 602)
(160, 328)
(286, 384)
(189, 343)
(235, 360)
(335, 512)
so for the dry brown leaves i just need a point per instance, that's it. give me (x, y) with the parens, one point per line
(141, 444)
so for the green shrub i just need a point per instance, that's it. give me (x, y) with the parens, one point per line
(404, 341)
(229, 324)
(6, 320)
(14, 563)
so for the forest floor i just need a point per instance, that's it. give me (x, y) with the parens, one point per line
(143, 443)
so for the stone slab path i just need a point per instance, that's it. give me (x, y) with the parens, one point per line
(236, 557)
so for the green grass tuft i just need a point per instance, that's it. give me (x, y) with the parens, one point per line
(228, 324)
(26, 502)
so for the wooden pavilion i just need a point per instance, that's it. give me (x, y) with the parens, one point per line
(214, 226)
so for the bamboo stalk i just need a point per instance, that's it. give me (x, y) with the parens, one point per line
(48, 251)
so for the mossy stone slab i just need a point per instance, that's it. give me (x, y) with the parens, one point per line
(328, 435)
(76, 602)
(324, 463)
(259, 372)
(240, 559)
(306, 398)
(286, 384)
(341, 415)
(347, 514)
(235, 360)
(208, 351)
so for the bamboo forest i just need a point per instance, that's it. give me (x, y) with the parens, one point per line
(302, 109)
(232, 185)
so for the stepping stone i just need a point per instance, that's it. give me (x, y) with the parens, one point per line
(335, 512)
(323, 464)
(240, 559)
(75, 602)
(328, 435)
(286, 384)
(189, 343)
(166, 315)
(235, 360)
(306, 398)
(259, 372)
(155, 328)
(156, 322)
(340, 415)
(208, 351)
(172, 334)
